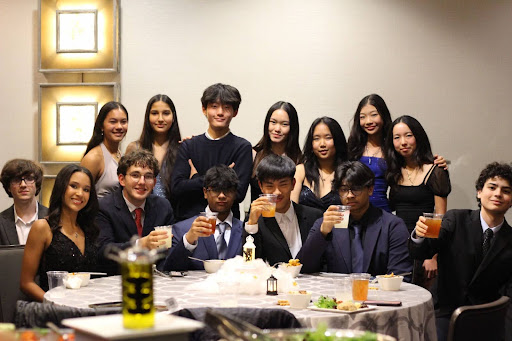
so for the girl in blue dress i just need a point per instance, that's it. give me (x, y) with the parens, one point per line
(366, 142)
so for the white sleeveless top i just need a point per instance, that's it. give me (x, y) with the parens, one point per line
(108, 181)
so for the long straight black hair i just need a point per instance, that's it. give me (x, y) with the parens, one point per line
(309, 158)
(422, 155)
(358, 137)
(87, 215)
(292, 148)
(173, 135)
(97, 134)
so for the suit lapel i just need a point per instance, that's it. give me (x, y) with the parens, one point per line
(149, 217)
(341, 239)
(301, 219)
(234, 240)
(10, 230)
(370, 239)
(125, 217)
(501, 240)
(210, 247)
(274, 228)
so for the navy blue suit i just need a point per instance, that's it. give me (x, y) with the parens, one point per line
(117, 225)
(384, 246)
(177, 258)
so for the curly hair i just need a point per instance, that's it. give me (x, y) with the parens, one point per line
(139, 157)
(492, 170)
(18, 168)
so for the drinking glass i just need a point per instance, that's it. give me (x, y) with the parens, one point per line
(360, 286)
(433, 221)
(345, 212)
(271, 209)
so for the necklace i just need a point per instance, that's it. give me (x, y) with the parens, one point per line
(370, 156)
(409, 175)
(325, 175)
(76, 234)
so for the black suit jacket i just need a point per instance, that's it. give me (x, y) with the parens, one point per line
(117, 225)
(8, 234)
(465, 276)
(270, 243)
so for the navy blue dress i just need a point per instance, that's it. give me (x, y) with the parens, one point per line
(378, 166)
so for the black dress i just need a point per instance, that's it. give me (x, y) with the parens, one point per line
(308, 198)
(410, 202)
(64, 255)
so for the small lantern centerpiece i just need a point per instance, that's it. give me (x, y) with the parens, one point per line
(272, 286)
(249, 249)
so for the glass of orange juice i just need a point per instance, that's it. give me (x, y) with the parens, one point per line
(433, 221)
(360, 286)
(271, 208)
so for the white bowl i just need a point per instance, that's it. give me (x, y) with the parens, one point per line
(213, 265)
(84, 276)
(390, 283)
(292, 270)
(298, 300)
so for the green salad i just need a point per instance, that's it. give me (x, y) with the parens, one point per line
(326, 302)
(319, 335)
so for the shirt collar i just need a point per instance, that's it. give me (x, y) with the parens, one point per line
(218, 138)
(228, 220)
(494, 229)
(34, 217)
(132, 207)
(288, 214)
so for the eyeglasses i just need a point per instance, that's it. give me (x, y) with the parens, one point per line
(217, 192)
(29, 180)
(148, 177)
(356, 190)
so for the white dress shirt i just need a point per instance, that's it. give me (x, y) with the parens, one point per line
(289, 226)
(23, 228)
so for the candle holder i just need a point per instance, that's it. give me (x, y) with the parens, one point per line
(272, 286)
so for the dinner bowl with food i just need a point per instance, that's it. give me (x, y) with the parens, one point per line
(299, 299)
(390, 282)
(293, 267)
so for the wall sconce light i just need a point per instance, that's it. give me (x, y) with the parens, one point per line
(67, 113)
(78, 36)
(77, 31)
(75, 122)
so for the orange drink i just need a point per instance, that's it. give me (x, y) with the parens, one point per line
(213, 223)
(212, 220)
(360, 286)
(433, 221)
(271, 208)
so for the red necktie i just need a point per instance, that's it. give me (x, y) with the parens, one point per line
(138, 220)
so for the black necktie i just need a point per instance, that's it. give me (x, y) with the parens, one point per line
(488, 234)
(357, 250)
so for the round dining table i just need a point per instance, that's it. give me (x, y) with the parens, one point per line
(413, 320)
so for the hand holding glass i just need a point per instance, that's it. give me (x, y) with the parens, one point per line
(433, 222)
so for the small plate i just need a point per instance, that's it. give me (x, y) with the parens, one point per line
(360, 310)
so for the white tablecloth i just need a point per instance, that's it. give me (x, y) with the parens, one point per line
(414, 320)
